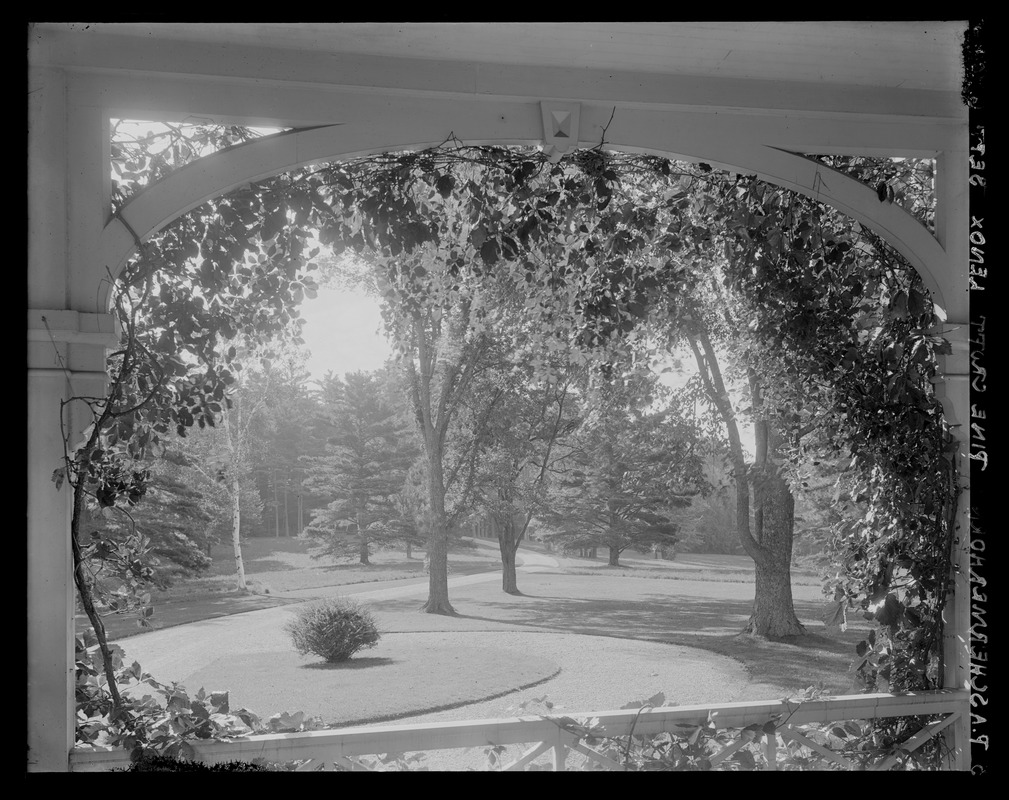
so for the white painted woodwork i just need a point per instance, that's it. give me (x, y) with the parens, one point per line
(726, 142)
(340, 745)
(902, 69)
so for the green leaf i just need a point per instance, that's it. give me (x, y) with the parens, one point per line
(444, 185)
(489, 252)
(889, 613)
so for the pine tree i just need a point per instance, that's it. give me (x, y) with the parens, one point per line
(175, 515)
(632, 470)
(368, 451)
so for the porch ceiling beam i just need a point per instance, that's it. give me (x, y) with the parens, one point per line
(261, 66)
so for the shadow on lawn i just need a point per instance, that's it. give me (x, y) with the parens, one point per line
(709, 624)
(414, 565)
(351, 663)
(714, 625)
(257, 565)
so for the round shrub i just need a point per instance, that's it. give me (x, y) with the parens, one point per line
(334, 629)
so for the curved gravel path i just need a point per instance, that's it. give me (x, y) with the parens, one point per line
(598, 673)
(601, 673)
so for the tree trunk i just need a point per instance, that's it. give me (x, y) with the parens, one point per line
(236, 527)
(363, 546)
(234, 444)
(508, 543)
(773, 612)
(509, 578)
(614, 557)
(276, 505)
(437, 596)
(770, 545)
(287, 512)
(437, 544)
(409, 550)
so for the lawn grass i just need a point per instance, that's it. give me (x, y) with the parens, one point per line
(699, 614)
(278, 565)
(686, 566)
(275, 567)
(698, 601)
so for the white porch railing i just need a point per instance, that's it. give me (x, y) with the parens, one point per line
(780, 721)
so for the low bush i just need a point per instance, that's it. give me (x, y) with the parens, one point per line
(334, 629)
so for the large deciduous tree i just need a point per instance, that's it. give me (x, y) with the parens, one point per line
(447, 355)
(769, 542)
(520, 447)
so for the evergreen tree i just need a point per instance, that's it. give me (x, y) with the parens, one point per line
(368, 451)
(633, 468)
(177, 517)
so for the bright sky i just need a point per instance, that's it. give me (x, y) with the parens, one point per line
(343, 331)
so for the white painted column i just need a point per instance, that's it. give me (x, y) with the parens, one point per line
(50, 610)
(67, 209)
(50, 600)
(64, 360)
(953, 390)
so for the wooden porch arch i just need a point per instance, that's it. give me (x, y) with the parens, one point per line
(219, 173)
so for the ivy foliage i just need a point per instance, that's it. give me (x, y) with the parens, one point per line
(156, 717)
(862, 744)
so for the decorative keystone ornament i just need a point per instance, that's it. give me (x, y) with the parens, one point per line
(560, 128)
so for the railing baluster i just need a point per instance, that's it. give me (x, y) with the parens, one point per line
(560, 757)
(917, 741)
(599, 758)
(771, 752)
(530, 755)
(727, 751)
(789, 732)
